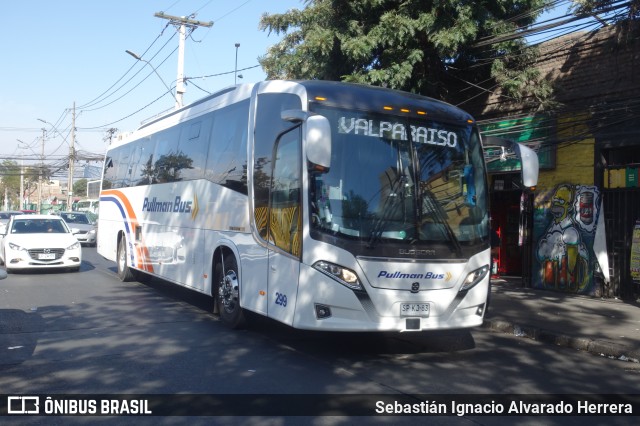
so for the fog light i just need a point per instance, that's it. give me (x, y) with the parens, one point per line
(322, 311)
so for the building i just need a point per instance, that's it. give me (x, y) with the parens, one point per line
(574, 233)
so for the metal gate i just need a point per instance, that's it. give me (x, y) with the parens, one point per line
(621, 210)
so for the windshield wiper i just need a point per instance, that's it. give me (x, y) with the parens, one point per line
(390, 207)
(429, 201)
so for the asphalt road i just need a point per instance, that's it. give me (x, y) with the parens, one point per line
(89, 333)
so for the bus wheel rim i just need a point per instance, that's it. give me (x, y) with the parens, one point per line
(229, 291)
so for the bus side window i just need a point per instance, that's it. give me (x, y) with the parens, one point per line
(168, 162)
(269, 124)
(140, 161)
(194, 147)
(284, 209)
(122, 169)
(227, 159)
(109, 173)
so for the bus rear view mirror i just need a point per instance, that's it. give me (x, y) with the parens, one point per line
(318, 137)
(527, 156)
(530, 167)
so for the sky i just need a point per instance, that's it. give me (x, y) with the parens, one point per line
(60, 52)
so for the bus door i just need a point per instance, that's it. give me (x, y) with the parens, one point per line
(285, 226)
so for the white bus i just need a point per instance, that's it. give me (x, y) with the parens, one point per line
(90, 205)
(322, 205)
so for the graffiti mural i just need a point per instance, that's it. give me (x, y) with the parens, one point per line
(564, 230)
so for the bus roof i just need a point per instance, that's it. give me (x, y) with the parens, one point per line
(359, 96)
(372, 98)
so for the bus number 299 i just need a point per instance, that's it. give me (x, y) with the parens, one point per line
(281, 299)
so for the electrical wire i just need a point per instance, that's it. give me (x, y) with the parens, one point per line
(132, 114)
(134, 87)
(102, 96)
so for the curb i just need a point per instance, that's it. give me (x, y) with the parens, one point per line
(596, 347)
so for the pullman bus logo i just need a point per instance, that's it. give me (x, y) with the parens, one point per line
(177, 205)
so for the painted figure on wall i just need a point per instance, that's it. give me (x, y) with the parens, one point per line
(564, 229)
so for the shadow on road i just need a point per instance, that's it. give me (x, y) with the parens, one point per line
(322, 342)
(18, 335)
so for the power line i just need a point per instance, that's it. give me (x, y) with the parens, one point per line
(102, 96)
(134, 87)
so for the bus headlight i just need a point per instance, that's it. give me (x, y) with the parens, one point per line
(474, 277)
(343, 275)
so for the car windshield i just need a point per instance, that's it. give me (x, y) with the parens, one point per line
(6, 215)
(75, 218)
(38, 226)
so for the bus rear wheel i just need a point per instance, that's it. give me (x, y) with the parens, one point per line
(228, 292)
(124, 272)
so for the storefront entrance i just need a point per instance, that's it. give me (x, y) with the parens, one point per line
(505, 219)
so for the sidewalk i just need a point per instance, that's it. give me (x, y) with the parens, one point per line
(607, 327)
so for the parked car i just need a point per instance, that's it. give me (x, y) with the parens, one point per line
(39, 241)
(83, 225)
(4, 218)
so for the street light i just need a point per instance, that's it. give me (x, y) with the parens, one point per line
(135, 55)
(235, 72)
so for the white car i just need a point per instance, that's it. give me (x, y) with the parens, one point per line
(84, 226)
(4, 218)
(39, 241)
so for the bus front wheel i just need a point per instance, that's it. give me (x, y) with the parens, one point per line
(228, 293)
(124, 272)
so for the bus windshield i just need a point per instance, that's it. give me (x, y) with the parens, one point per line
(400, 180)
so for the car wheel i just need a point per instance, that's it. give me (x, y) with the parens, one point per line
(228, 292)
(124, 272)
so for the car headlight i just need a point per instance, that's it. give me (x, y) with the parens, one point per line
(93, 231)
(74, 246)
(474, 277)
(339, 273)
(13, 246)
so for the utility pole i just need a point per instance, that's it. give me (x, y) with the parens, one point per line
(22, 175)
(72, 158)
(21, 182)
(44, 132)
(182, 22)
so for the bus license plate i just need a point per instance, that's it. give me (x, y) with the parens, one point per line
(46, 256)
(414, 309)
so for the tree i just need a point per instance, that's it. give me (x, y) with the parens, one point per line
(424, 46)
(10, 173)
(167, 168)
(80, 188)
(10, 180)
